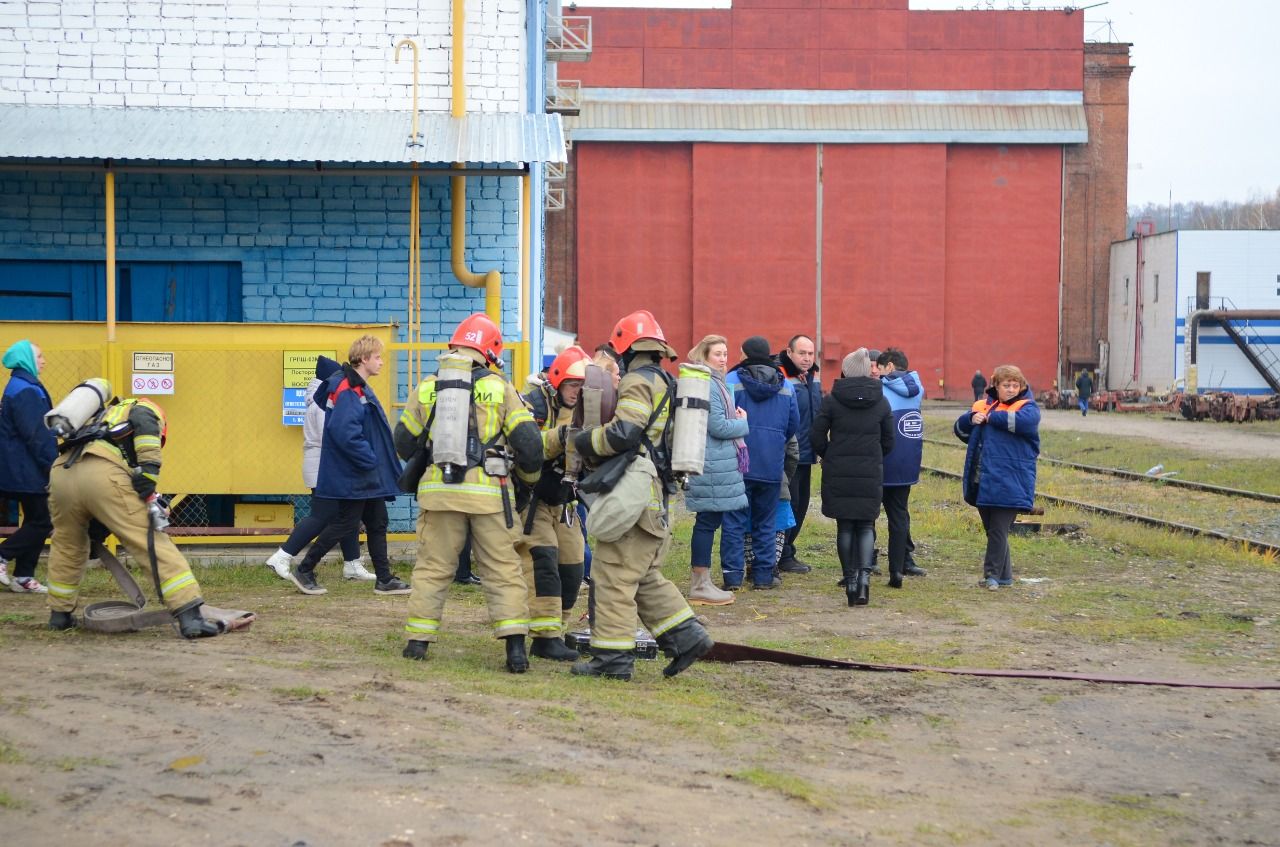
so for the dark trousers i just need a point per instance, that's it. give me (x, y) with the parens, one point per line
(309, 528)
(801, 483)
(762, 515)
(895, 499)
(703, 539)
(346, 519)
(855, 545)
(24, 546)
(463, 573)
(996, 564)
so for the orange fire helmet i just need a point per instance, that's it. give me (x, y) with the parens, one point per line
(570, 364)
(635, 326)
(478, 332)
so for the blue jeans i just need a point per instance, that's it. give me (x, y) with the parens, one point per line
(760, 515)
(704, 532)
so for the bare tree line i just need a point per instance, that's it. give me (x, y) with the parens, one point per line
(1258, 212)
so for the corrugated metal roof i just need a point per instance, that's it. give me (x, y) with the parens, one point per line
(275, 135)
(832, 117)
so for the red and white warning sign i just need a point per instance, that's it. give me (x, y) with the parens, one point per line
(152, 383)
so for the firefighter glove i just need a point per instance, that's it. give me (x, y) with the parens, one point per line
(143, 484)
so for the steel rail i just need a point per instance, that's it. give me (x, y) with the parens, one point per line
(1134, 475)
(1256, 546)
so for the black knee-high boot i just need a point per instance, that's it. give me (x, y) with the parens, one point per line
(864, 547)
(844, 549)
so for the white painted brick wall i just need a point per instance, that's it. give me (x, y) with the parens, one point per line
(330, 54)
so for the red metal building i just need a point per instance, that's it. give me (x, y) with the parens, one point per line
(851, 169)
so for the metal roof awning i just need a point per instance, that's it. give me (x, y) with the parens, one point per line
(837, 117)
(276, 135)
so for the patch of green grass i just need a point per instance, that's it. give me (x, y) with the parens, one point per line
(1125, 820)
(869, 728)
(301, 692)
(71, 763)
(791, 787)
(931, 833)
(10, 755)
(559, 713)
(16, 617)
(8, 801)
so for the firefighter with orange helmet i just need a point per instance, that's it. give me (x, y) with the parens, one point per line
(626, 574)
(470, 490)
(109, 470)
(551, 545)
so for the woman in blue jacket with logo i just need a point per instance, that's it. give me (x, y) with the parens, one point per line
(1003, 433)
(27, 451)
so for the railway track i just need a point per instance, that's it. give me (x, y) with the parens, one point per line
(1133, 475)
(1262, 547)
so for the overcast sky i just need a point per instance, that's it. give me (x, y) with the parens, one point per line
(1204, 113)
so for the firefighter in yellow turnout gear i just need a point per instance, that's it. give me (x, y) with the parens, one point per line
(551, 546)
(479, 500)
(627, 578)
(113, 477)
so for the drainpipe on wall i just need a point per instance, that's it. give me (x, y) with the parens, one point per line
(113, 370)
(492, 280)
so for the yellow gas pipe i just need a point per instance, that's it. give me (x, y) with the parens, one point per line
(492, 280)
(414, 332)
(113, 370)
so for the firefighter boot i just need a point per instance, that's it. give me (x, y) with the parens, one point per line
(62, 620)
(610, 664)
(684, 645)
(191, 624)
(517, 660)
(552, 648)
(416, 650)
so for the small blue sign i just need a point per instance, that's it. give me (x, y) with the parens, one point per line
(293, 406)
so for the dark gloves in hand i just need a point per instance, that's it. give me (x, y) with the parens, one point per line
(143, 484)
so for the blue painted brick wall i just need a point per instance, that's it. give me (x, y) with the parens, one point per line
(331, 249)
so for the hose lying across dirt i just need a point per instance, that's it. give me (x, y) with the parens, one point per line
(723, 652)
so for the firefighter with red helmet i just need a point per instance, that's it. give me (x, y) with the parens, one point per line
(551, 545)
(626, 574)
(109, 470)
(467, 488)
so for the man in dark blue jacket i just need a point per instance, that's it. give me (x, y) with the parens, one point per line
(799, 366)
(760, 388)
(358, 468)
(902, 388)
(27, 451)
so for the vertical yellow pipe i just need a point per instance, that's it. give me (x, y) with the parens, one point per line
(492, 280)
(526, 278)
(459, 107)
(113, 354)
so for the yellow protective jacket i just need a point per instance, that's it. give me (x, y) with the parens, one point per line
(148, 425)
(500, 416)
(639, 393)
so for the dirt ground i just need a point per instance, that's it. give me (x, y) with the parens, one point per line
(1235, 440)
(310, 730)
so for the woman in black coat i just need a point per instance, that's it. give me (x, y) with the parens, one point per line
(852, 433)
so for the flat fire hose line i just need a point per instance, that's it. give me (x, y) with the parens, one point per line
(111, 616)
(724, 652)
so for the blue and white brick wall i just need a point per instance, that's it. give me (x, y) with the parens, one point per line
(336, 54)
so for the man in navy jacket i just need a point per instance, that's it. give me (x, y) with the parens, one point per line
(801, 370)
(760, 388)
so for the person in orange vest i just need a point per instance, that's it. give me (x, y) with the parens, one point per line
(1002, 430)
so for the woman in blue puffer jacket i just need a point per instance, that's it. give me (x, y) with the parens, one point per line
(1003, 433)
(27, 451)
(719, 489)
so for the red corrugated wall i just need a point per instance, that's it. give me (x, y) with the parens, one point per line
(951, 252)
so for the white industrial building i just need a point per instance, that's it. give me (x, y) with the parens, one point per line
(1226, 282)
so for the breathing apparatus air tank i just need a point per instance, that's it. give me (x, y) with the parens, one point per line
(79, 407)
(452, 421)
(689, 433)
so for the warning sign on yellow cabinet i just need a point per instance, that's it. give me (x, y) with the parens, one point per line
(300, 366)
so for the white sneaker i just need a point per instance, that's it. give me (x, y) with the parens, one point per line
(354, 569)
(27, 585)
(4, 571)
(280, 562)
